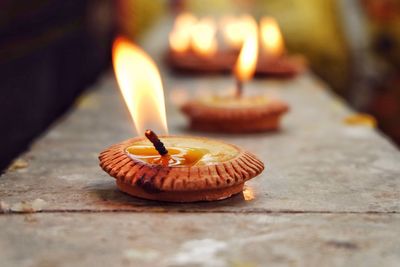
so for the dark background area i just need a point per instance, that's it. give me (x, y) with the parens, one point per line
(49, 52)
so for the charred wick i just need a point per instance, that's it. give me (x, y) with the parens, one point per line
(158, 145)
(239, 88)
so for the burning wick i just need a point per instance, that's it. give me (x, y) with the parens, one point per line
(245, 65)
(239, 88)
(158, 145)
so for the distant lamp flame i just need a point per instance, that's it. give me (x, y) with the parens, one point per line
(180, 36)
(179, 41)
(204, 41)
(184, 19)
(271, 37)
(246, 63)
(140, 84)
(235, 30)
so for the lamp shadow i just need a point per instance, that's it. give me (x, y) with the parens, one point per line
(111, 198)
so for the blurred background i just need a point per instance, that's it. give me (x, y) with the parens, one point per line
(50, 51)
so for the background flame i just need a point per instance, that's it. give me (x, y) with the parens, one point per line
(271, 37)
(179, 41)
(246, 63)
(180, 36)
(204, 41)
(140, 84)
(235, 29)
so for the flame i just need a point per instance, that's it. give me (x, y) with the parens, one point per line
(140, 84)
(179, 38)
(179, 41)
(235, 30)
(185, 19)
(246, 63)
(204, 41)
(271, 37)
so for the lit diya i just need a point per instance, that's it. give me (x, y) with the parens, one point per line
(168, 168)
(273, 60)
(193, 46)
(238, 113)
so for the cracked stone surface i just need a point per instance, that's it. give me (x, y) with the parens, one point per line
(329, 195)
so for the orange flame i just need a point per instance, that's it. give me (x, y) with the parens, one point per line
(185, 19)
(203, 37)
(271, 37)
(140, 84)
(179, 38)
(235, 30)
(246, 63)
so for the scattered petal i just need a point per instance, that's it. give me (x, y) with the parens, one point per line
(18, 164)
(248, 193)
(361, 119)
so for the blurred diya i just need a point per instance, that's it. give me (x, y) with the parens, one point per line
(190, 61)
(236, 114)
(193, 46)
(284, 67)
(169, 168)
(273, 60)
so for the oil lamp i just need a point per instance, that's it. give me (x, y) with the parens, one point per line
(193, 45)
(168, 168)
(238, 113)
(273, 59)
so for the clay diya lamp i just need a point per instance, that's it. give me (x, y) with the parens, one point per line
(193, 46)
(273, 60)
(233, 115)
(186, 169)
(168, 168)
(191, 62)
(238, 113)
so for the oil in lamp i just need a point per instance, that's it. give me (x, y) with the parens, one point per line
(238, 113)
(273, 59)
(168, 168)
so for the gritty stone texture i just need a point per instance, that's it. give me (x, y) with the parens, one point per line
(311, 206)
(170, 239)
